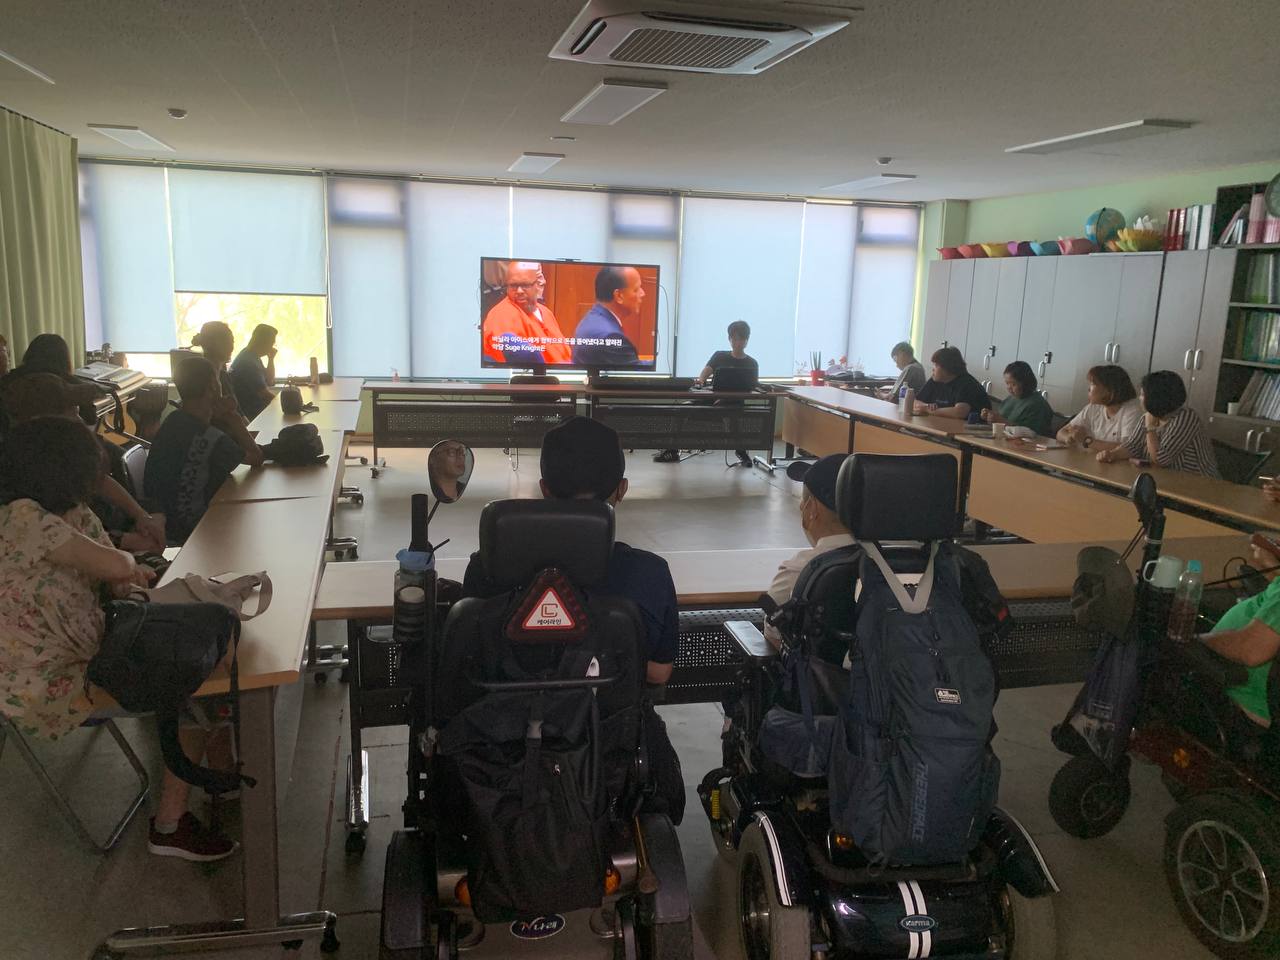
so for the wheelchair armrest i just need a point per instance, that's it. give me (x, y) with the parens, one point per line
(749, 638)
(1217, 669)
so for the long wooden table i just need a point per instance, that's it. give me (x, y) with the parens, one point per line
(274, 482)
(1049, 496)
(287, 539)
(340, 415)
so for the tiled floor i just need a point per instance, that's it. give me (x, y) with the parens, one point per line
(57, 900)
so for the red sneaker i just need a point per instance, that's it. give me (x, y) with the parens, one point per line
(191, 841)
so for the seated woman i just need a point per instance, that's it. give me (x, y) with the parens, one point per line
(127, 522)
(951, 391)
(49, 353)
(1171, 434)
(55, 560)
(1249, 634)
(1025, 406)
(1112, 415)
(218, 343)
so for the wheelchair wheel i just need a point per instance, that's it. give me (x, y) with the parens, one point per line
(1033, 926)
(768, 929)
(1222, 861)
(1086, 799)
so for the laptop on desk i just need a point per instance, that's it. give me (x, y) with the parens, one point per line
(735, 379)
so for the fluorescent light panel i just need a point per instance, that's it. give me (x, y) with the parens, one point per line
(535, 162)
(1095, 138)
(131, 137)
(870, 183)
(23, 65)
(611, 100)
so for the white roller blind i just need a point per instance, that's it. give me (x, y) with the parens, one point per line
(369, 301)
(247, 232)
(826, 280)
(740, 261)
(884, 271)
(559, 224)
(451, 226)
(127, 255)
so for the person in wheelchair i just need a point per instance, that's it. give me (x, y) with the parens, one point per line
(582, 459)
(822, 528)
(1249, 634)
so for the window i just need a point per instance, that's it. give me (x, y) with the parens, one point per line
(167, 249)
(375, 275)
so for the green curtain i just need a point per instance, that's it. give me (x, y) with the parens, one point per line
(41, 290)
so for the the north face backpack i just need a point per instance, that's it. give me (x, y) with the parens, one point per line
(912, 776)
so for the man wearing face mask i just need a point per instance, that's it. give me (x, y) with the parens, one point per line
(822, 528)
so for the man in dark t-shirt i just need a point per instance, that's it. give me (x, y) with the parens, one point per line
(951, 391)
(582, 459)
(736, 356)
(190, 458)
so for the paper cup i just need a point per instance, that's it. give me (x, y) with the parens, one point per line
(997, 431)
(1233, 409)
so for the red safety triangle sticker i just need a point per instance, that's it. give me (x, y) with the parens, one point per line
(549, 613)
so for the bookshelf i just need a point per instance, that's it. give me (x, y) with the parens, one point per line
(1249, 373)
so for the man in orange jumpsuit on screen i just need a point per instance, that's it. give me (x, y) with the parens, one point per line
(521, 331)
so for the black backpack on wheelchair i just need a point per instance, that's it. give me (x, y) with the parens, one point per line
(537, 775)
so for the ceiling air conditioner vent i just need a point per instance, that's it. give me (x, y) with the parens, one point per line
(688, 37)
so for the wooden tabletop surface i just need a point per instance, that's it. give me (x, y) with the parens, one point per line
(342, 388)
(362, 590)
(340, 415)
(1235, 500)
(575, 389)
(285, 538)
(883, 412)
(274, 482)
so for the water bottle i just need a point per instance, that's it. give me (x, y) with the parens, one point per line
(1186, 604)
(409, 607)
(909, 403)
(902, 397)
(315, 372)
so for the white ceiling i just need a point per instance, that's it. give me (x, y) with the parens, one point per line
(461, 87)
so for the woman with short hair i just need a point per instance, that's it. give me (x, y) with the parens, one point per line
(1025, 406)
(1171, 433)
(1113, 413)
(951, 391)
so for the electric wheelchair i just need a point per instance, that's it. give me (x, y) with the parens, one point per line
(528, 777)
(804, 891)
(1167, 702)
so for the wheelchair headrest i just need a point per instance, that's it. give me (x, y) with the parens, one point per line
(890, 497)
(520, 538)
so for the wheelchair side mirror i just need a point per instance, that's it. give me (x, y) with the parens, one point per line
(449, 467)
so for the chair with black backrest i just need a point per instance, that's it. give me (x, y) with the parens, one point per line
(1237, 464)
(534, 379)
(539, 705)
(135, 466)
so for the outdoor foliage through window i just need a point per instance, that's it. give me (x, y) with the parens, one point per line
(300, 320)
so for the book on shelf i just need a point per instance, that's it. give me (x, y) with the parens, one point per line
(1190, 228)
(1262, 281)
(1261, 396)
(1257, 218)
(1234, 226)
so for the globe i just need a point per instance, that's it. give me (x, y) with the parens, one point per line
(1103, 225)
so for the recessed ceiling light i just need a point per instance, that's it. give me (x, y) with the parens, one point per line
(23, 65)
(131, 137)
(611, 100)
(535, 162)
(560, 139)
(869, 183)
(1094, 138)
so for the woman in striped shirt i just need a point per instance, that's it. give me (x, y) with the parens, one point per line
(1172, 434)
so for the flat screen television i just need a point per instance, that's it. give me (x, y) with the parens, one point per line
(568, 314)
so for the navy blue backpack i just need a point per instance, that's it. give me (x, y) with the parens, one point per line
(912, 776)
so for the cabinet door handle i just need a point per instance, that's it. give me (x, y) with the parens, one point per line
(945, 344)
(1248, 440)
(1040, 369)
(1115, 353)
(1199, 359)
(1106, 352)
(1186, 360)
(986, 362)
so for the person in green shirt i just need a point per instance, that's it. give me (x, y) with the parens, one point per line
(1025, 406)
(1249, 634)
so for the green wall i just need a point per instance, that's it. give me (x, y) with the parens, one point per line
(1047, 216)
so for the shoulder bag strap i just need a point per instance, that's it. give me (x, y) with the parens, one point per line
(909, 604)
(240, 586)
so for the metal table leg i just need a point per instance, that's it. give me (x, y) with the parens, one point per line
(359, 801)
(262, 922)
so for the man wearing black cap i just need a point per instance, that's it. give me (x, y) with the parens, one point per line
(582, 459)
(822, 528)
